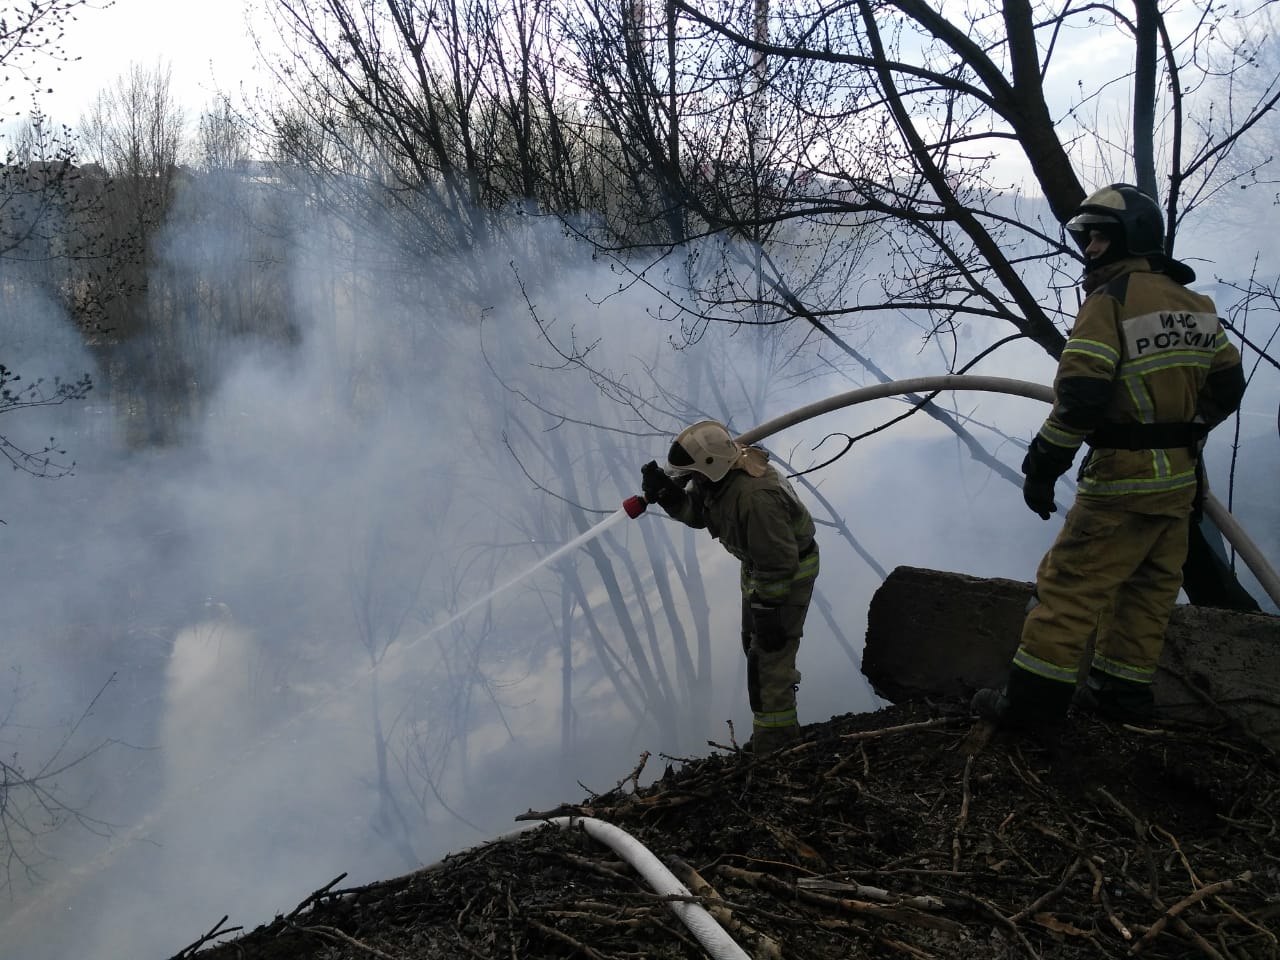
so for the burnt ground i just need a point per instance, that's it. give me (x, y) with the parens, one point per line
(906, 833)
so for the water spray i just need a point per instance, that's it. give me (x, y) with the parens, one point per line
(29, 917)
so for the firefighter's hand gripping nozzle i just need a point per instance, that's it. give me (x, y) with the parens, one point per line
(654, 483)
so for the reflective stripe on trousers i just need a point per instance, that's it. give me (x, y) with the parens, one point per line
(1111, 571)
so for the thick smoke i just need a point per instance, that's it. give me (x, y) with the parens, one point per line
(267, 598)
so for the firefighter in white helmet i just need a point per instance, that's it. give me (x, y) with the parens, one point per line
(713, 482)
(1145, 375)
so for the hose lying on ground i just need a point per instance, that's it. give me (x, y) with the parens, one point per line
(701, 924)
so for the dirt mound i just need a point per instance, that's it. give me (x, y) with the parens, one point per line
(911, 832)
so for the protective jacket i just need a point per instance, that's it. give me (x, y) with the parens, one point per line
(754, 512)
(762, 522)
(1144, 376)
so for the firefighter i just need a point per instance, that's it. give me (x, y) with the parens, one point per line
(1146, 373)
(713, 482)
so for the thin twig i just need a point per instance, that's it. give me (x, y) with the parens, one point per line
(336, 934)
(1006, 923)
(1184, 903)
(963, 818)
(216, 931)
(901, 728)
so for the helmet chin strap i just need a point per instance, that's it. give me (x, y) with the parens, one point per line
(1115, 252)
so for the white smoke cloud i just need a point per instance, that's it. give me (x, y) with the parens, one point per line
(353, 493)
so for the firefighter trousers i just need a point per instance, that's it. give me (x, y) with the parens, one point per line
(1111, 571)
(772, 674)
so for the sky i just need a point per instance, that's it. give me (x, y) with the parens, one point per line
(207, 46)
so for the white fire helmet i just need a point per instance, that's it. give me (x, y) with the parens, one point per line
(706, 448)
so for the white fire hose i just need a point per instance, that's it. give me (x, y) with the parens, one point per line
(1214, 507)
(701, 924)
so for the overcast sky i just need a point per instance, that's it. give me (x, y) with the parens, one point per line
(207, 45)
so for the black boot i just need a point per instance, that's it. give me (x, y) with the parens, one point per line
(770, 739)
(1027, 701)
(1124, 701)
(990, 704)
(1036, 701)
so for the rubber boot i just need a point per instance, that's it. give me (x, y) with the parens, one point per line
(1124, 701)
(768, 739)
(1027, 701)
(990, 704)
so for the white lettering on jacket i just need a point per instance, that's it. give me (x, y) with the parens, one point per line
(1169, 330)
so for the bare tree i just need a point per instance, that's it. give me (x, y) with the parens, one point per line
(898, 114)
(816, 173)
(38, 195)
(433, 123)
(46, 461)
(34, 801)
(41, 200)
(133, 130)
(31, 49)
(222, 139)
(385, 595)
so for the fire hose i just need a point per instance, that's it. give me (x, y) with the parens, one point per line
(701, 924)
(1213, 507)
(708, 932)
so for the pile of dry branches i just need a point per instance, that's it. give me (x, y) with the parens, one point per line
(906, 833)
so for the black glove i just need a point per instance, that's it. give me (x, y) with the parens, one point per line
(1046, 463)
(654, 482)
(766, 622)
(1041, 467)
(1039, 497)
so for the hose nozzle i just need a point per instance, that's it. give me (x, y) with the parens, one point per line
(634, 506)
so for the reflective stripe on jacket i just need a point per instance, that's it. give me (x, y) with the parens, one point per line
(762, 522)
(1145, 350)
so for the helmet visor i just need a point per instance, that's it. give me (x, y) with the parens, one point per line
(1088, 220)
(678, 460)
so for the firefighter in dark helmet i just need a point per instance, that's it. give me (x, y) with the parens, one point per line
(713, 482)
(1146, 373)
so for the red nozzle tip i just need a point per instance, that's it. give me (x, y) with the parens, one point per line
(634, 506)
